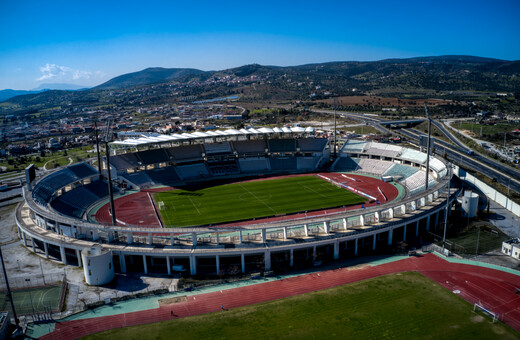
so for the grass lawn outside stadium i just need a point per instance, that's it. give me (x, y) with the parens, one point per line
(247, 200)
(399, 306)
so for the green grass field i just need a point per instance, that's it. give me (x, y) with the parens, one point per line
(33, 300)
(237, 201)
(399, 306)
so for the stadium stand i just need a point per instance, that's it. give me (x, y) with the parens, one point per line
(140, 179)
(312, 144)
(83, 170)
(373, 166)
(307, 163)
(283, 163)
(218, 148)
(400, 170)
(250, 147)
(153, 156)
(282, 145)
(381, 149)
(66, 209)
(353, 146)
(193, 171)
(415, 181)
(165, 176)
(187, 152)
(256, 164)
(124, 161)
(346, 163)
(413, 156)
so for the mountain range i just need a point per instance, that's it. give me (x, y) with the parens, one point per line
(437, 73)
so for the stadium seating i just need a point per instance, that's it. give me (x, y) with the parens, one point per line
(153, 156)
(83, 170)
(346, 163)
(353, 146)
(164, 176)
(193, 171)
(374, 166)
(382, 149)
(312, 144)
(282, 145)
(186, 152)
(413, 156)
(218, 148)
(140, 179)
(124, 161)
(307, 163)
(256, 164)
(400, 170)
(250, 147)
(283, 163)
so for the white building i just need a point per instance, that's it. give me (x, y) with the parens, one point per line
(512, 248)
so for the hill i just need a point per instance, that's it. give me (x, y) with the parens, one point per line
(148, 76)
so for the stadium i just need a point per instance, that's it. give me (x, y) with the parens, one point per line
(234, 201)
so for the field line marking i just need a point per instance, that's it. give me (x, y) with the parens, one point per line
(259, 200)
(314, 191)
(194, 205)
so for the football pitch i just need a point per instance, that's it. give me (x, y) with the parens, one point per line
(398, 306)
(34, 300)
(247, 200)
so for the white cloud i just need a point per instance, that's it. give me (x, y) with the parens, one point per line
(60, 73)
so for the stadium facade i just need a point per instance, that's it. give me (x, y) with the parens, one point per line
(53, 221)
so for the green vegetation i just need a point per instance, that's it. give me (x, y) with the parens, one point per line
(50, 159)
(488, 131)
(239, 201)
(33, 300)
(401, 306)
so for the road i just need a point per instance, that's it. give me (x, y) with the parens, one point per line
(456, 152)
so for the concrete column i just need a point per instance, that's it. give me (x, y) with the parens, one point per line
(336, 250)
(361, 220)
(240, 236)
(122, 263)
(19, 232)
(63, 255)
(417, 229)
(306, 229)
(172, 239)
(193, 265)
(24, 239)
(46, 249)
(95, 235)
(404, 233)
(150, 238)
(428, 222)
(218, 238)
(391, 213)
(291, 257)
(264, 235)
(243, 262)
(129, 238)
(437, 219)
(403, 208)
(356, 246)
(326, 226)
(168, 265)
(344, 224)
(285, 233)
(374, 243)
(78, 255)
(145, 265)
(376, 216)
(32, 245)
(194, 239)
(390, 236)
(217, 262)
(267, 260)
(314, 252)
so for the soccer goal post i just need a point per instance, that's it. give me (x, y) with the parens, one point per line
(478, 307)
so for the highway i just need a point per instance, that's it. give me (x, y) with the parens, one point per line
(456, 153)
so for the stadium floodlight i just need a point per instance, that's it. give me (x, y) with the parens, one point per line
(110, 192)
(9, 292)
(447, 208)
(429, 145)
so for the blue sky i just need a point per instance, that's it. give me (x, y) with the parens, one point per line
(89, 42)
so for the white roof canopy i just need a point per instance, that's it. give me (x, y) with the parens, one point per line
(153, 138)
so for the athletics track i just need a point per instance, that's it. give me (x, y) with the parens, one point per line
(137, 209)
(494, 289)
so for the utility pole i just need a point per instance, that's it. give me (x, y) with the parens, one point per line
(428, 147)
(10, 296)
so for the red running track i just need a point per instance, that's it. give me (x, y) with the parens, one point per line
(495, 289)
(137, 209)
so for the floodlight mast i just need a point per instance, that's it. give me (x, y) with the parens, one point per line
(16, 323)
(428, 146)
(447, 208)
(109, 175)
(97, 148)
(335, 142)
